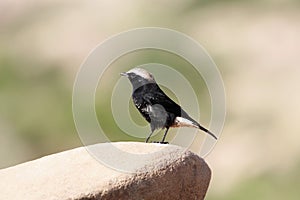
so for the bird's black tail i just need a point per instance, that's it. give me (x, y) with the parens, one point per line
(185, 115)
(207, 131)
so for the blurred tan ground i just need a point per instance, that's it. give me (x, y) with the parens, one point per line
(256, 47)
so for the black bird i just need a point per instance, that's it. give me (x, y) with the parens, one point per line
(155, 106)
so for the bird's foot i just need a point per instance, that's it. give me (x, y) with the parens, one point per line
(164, 142)
(160, 142)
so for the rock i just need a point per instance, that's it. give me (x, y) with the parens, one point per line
(122, 170)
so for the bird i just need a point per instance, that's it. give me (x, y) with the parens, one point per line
(156, 107)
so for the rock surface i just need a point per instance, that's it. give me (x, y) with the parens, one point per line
(122, 170)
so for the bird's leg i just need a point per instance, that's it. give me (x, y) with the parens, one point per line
(149, 136)
(163, 140)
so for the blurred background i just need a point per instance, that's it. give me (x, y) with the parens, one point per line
(255, 44)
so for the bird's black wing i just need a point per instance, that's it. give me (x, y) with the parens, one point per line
(158, 97)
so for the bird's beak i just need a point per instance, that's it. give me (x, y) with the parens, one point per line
(124, 74)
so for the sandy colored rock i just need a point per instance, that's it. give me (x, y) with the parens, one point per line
(123, 170)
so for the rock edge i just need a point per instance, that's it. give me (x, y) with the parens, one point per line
(157, 172)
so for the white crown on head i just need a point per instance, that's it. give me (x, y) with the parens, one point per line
(142, 73)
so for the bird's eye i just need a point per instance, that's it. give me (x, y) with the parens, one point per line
(133, 75)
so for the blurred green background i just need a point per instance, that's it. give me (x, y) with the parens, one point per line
(255, 44)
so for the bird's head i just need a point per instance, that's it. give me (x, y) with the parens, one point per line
(138, 77)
